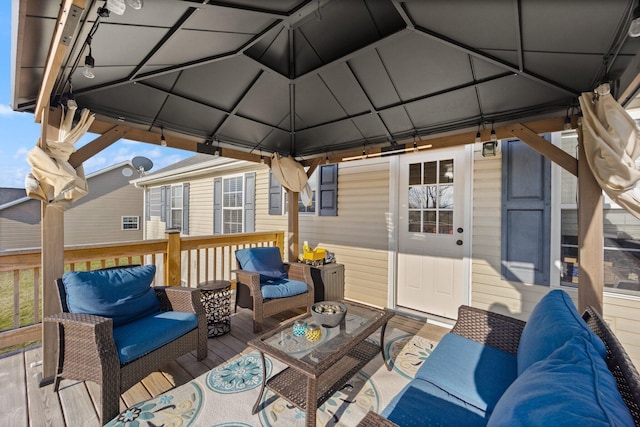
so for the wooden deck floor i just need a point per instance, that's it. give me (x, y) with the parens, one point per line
(24, 403)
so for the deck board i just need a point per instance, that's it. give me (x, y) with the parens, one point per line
(25, 403)
(13, 405)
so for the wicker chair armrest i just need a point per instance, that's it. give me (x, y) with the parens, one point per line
(375, 420)
(497, 330)
(250, 279)
(176, 298)
(301, 272)
(89, 321)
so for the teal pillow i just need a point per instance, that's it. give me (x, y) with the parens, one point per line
(122, 294)
(553, 322)
(266, 261)
(572, 387)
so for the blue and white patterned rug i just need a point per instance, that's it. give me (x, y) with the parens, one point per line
(225, 395)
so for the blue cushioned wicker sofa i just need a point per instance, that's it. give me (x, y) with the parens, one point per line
(557, 369)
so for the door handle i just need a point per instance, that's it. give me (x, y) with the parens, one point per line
(459, 242)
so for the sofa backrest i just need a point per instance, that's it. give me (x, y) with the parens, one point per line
(619, 363)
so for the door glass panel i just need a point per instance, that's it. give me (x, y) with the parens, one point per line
(414, 221)
(415, 174)
(430, 172)
(430, 197)
(445, 199)
(430, 225)
(446, 171)
(445, 226)
(416, 198)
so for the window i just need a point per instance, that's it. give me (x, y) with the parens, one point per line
(131, 223)
(324, 201)
(431, 197)
(175, 220)
(155, 201)
(621, 236)
(232, 204)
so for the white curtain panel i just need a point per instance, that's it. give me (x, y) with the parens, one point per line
(612, 146)
(52, 178)
(291, 175)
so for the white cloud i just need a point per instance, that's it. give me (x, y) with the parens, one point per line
(21, 153)
(5, 110)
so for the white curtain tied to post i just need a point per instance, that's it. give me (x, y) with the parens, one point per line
(612, 146)
(291, 175)
(52, 178)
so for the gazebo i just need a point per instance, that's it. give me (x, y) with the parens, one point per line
(325, 80)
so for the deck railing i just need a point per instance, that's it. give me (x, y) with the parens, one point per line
(180, 261)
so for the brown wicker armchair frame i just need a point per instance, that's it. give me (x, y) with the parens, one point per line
(249, 293)
(504, 332)
(88, 352)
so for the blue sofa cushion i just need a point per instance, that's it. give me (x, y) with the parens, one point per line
(282, 288)
(137, 338)
(553, 322)
(266, 261)
(123, 294)
(420, 403)
(572, 387)
(475, 373)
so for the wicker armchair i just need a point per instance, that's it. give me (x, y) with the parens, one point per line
(87, 349)
(249, 292)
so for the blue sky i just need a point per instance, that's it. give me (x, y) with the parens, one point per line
(20, 133)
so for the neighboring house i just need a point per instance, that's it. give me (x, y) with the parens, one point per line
(427, 231)
(111, 212)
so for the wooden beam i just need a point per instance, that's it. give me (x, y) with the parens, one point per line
(553, 124)
(94, 147)
(173, 259)
(292, 237)
(590, 235)
(315, 163)
(544, 147)
(66, 26)
(21, 335)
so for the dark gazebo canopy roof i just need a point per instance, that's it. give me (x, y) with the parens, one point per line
(307, 77)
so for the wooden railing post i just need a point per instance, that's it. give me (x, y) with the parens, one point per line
(173, 259)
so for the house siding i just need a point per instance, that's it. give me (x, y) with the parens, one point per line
(490, 292)
(96, 218)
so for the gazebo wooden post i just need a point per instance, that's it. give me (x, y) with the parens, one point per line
(52, 253)
(590, 235)
(292, 237)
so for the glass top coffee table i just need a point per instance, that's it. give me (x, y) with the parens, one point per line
(325, 365)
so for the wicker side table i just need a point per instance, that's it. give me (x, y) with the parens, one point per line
(215, 297)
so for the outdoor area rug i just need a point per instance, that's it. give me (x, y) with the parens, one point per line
(225, 395)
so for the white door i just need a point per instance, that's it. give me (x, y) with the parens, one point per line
(431, 236)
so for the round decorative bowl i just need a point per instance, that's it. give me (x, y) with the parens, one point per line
(328, 313)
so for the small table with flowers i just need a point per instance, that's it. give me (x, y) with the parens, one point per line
(323, 363)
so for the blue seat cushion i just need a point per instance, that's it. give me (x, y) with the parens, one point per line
(420, 404)
(552, 323)
(475, 373)
(122, 294)
(137, 338)
(267, 261)
(572, 387)
(282, 288)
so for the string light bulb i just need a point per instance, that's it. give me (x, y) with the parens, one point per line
(478, 136)
(494, 137)
(89, 63)
(163, 140)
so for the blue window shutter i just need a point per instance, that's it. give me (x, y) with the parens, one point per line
(147, 204)
(328, 190)
(217, 206)
(250, 202)
(185, 208)
(526, 214)
(275, 196)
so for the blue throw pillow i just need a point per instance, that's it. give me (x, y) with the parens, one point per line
(266, 261)
(123, 294)
(572, 387)
(553, 322)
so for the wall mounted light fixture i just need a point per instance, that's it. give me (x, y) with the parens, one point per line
(489, 149)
